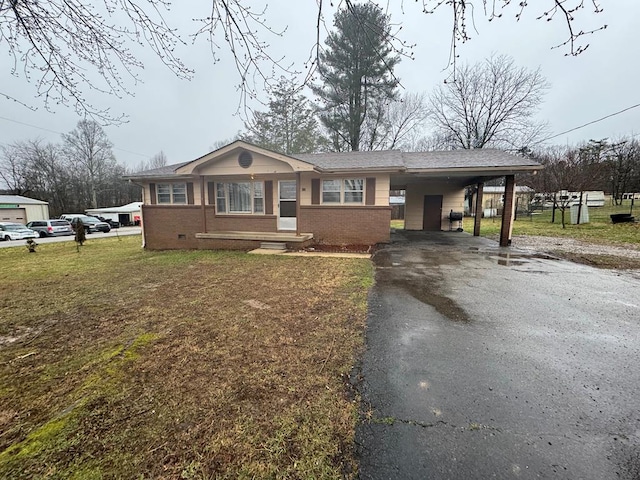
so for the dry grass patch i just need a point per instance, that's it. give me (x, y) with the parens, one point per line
(125, 363)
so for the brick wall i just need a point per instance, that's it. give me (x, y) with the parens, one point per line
(346, 225)
(242, 223)
(171, 227)
(174, 227)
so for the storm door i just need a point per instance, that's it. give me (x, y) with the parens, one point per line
(287, 203)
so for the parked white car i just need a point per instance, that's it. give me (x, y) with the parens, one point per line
(15, 231)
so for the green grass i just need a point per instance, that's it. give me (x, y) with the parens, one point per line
(116, 362)
(598, 230)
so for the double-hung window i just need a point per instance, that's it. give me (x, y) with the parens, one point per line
(167, 193)
(240, 197)
(347, 191)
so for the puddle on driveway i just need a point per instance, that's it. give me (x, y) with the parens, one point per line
(419, 271)
(422, 280)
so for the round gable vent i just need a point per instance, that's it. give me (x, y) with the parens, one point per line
(245, 159)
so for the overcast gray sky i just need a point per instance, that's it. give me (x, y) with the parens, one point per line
(185, 118)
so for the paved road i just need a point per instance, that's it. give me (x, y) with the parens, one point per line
(484, 362)
(122, 231)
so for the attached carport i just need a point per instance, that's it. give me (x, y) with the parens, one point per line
(434, 184)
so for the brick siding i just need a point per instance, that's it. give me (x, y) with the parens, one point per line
(175, 226)
(346, 225)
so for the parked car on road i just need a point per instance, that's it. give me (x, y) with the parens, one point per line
(15, 231)
(112, 223)
(51, 228)
(91, 224)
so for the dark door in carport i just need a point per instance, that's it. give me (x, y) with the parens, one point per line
(432, 216)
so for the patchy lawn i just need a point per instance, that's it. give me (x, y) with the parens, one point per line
(121, 363)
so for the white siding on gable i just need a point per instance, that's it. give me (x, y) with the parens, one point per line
(228, 165)
(452, 199)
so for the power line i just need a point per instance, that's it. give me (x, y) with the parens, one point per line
(60, 133)
(589, 123)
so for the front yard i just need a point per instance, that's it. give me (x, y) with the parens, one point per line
(121, 363)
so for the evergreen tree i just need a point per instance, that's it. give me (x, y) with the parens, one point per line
(356, 70)
(289, 126)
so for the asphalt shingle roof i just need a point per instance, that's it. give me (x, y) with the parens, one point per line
(167, 170)
(480, 157)
(351, 160)
(392, 160)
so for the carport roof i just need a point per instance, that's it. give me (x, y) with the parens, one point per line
(480, 157)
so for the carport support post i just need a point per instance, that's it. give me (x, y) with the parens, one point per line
(507, 211)
(478, 218)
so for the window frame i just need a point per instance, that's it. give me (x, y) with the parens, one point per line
(343, 191)
(254, 194)
(171, 193)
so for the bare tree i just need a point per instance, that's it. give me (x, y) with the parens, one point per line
(158, 160)
(14, 171)
(490, 104)
(403, 122)
(88, 148)
(68, 46)
(623, 168)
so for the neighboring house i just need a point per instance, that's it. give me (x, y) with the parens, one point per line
(493, 199)
(19, 209)
(397, 207)
(129, 214)
(240, 195)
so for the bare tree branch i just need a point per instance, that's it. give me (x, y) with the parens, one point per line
(68, 47)
(490, 104)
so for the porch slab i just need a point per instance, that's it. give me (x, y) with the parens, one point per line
(264, 251)
(257, 236)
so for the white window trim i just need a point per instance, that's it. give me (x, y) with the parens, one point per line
(171, 194)
(253, 197)
(343, 190)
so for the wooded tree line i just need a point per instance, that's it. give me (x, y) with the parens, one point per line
(80, 172)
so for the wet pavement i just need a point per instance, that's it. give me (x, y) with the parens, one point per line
(488, 362)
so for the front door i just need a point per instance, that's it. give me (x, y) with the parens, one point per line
(432, 217)
(287, 205)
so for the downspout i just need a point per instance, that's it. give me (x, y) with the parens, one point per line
(202, 205)
(298, 191)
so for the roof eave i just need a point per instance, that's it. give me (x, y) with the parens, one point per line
(463, 171)
(362, 169)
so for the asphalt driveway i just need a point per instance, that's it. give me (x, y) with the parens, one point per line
(485, 362)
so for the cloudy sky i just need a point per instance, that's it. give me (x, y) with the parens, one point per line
(185, 119)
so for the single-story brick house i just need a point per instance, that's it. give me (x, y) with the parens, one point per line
(240, 195)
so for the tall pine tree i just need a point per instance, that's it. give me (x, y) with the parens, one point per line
(289, 126)
(356, 72)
